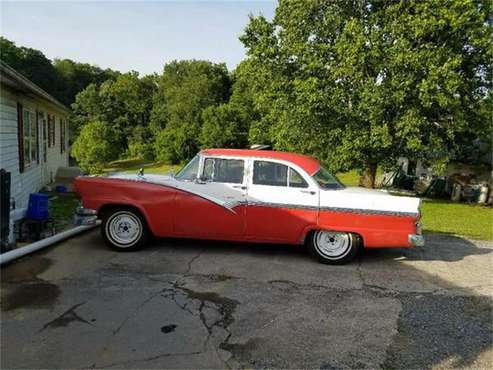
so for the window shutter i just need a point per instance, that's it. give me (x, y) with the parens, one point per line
(20, 136)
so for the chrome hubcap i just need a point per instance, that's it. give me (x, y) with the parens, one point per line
(332, 244)
(124, 228)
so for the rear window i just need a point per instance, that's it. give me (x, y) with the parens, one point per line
(270, 173)
(296, 180)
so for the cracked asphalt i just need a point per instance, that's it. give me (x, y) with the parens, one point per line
(195, 304)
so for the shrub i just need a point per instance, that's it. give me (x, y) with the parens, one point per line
(95, 147)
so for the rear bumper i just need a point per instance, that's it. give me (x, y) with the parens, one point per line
(416, 240)
(85, 216)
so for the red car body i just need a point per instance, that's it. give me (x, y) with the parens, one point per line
(172, 210)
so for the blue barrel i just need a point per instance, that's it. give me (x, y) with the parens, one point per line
(38, 206)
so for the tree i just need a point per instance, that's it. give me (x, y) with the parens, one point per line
(185, 89)
(95, 146)
(33, 64)
(225, 126)
(125, 104)
(76, 77)
(62, 78)
(360, 83)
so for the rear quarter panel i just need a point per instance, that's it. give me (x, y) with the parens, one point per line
(377, 231)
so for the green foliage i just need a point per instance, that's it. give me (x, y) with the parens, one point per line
(32, 64)
(77, 76)
(124, 103)
(361, 83)
(224, 126)
(95, 146)
(185, 89)
(62, 78)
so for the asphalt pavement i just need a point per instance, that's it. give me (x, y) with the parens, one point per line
(196, 304)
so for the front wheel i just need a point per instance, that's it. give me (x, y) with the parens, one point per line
(124, 229)
(333, 247)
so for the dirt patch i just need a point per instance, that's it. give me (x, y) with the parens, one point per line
(25, 270)
(24, 289)
(30, 295)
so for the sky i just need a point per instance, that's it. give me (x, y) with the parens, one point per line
(132, 35)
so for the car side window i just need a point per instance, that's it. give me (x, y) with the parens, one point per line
(270, 173)
(296, 180)
(223, 170)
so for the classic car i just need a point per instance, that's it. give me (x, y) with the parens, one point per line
(250, 196)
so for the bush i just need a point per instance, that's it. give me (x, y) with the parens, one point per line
(95, 147)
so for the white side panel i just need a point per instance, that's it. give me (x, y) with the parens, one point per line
(362, 199)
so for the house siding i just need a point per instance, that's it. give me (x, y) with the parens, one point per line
(35, 175)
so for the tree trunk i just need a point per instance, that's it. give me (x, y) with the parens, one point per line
(368, 176)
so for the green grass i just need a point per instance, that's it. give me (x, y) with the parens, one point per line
(133, 165)
(350, 178)
(442, 216)
(473, 221)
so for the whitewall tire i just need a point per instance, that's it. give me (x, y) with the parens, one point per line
(333, 247)
(124, 229)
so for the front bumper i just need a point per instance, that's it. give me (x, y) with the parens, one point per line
(416, 240)
(85, 216)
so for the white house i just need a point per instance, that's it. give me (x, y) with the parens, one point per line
(33, 134)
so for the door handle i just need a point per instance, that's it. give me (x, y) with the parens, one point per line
(308, 192)
(239, 187)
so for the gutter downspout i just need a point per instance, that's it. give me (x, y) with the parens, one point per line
(19, 252)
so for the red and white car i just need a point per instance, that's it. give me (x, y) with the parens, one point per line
(254, 196)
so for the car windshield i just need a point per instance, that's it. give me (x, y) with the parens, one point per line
(326, 180)
(189, 172)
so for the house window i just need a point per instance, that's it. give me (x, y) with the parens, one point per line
(53, 137)
(62, 135)
(44, 124)
(49, 131)
(29, 135)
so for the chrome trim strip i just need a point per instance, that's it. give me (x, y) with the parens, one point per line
(370, 211)
(334, 209)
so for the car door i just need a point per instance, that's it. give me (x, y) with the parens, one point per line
(214, 206)
(282, 202)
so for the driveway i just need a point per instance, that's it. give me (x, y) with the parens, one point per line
(194, 304)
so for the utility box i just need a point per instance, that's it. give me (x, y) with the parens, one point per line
(4, 209)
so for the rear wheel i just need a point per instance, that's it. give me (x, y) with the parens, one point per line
(124, 229)
(333, 247)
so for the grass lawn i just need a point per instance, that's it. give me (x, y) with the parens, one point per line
(133, 165)
(470, 220)
(442, 216)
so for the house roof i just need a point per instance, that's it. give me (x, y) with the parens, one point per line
(309, 164)
(14, 79)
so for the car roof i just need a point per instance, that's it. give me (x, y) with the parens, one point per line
(308, 164)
